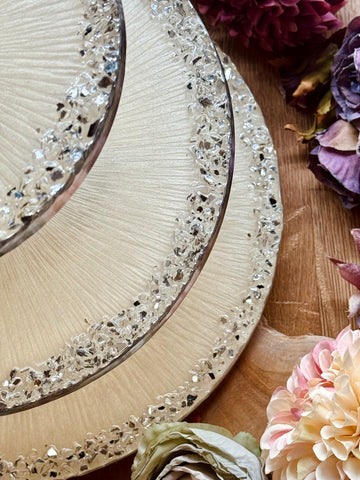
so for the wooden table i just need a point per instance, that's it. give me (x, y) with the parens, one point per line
(308, 296)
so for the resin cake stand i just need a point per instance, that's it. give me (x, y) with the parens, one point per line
(183, 362)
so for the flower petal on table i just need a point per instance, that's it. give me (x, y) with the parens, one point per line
(349, 271)
(355, 232)
(344, 166)
(341, 135)
(354, 304)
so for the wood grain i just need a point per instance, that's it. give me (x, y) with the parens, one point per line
(308, 295)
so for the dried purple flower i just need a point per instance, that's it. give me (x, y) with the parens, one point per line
(273, 24)
(345, 84)
(336, 159)
(335, 162)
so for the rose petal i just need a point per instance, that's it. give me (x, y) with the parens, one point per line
(175, 476)
(187, 467)
(238, 458)
(341, 136)
(349, 198)
(349, 271)
(212, 445)
(322, 354)
(355, 232)
(354, 304)
(343, 166)
(345, 339)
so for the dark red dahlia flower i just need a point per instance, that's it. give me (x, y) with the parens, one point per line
(273, 24)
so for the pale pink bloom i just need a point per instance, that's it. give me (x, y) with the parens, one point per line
(314, 423)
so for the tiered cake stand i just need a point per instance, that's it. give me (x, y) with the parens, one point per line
(130, 305)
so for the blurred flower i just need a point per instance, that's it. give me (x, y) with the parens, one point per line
(305, 83)
(351, 273)
(195, 452)
(273, 24)
(324, 116)
(306, 88)
(305, 79)
(314, 426)
(345, 83)
(335, 162)
(305, 75)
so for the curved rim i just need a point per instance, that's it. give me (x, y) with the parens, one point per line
(111, 83)
(63, 387)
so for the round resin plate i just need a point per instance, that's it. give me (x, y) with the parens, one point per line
(62, 68)
(186, 358)
(97, 280)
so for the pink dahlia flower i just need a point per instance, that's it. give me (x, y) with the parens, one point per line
(314, 423)
(273, 24)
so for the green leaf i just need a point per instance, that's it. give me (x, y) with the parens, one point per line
(324, 116)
